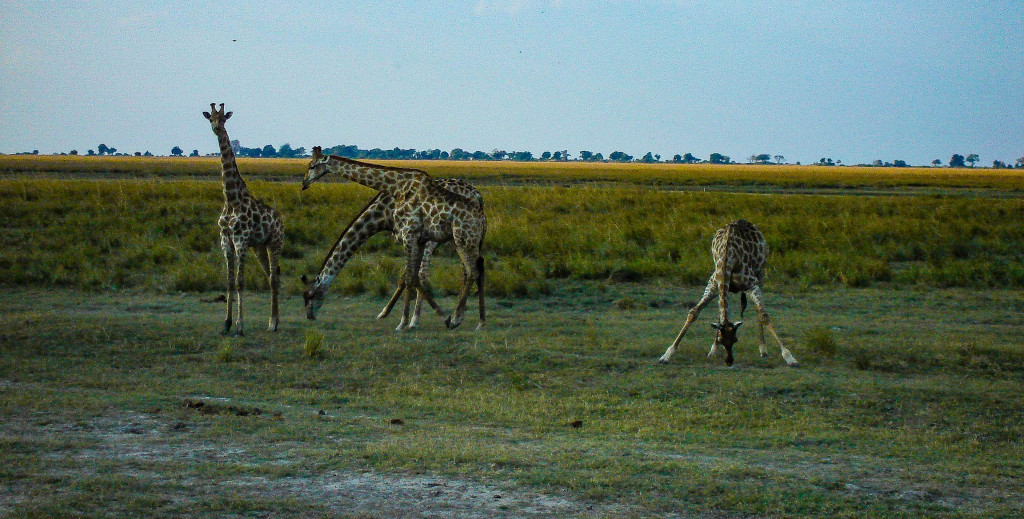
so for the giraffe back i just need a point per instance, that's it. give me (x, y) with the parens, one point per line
(740, 252)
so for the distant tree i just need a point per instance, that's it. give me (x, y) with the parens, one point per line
(522, 156)
(285, 151)
(101, 149)
(647, 158)
(690, 159)
(677, 158)
(268, 151)
(718, 158)
(1020, 162)
(458, 154)
(598, 157)
(545, 156)
(138, 153)
(73, 152)
(956, 161)
(556, 155)
(618, 156)
(90, 152)
(479, 155)
(195, 153)
(936, 162)
(899, 163)
(111, 151)
(147, 154)
(998, 164)
(176, 151)
(497, 154)
(585, 156)
(762, 158)
(972, 158)
(751, 159)
(779, 159)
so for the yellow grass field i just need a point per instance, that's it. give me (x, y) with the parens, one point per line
(785, 176)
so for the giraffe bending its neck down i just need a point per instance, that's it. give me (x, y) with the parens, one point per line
(740, 252)
(245, 222)
(374, 218)
(422, 212)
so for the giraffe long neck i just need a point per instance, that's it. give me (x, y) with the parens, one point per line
(370, 221)
(381, 178)
(234, 186)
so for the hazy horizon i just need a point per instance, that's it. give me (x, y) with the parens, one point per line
(852, 81)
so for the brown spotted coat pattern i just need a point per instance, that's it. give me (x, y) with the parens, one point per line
(422, 211)
(245, 223)
(739, 251)
(374, 218)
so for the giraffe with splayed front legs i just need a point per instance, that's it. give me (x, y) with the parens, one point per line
(245, 222)
(740, 252)
(423, 212)
(374, 218)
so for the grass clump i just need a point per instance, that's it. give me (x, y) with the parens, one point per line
(313, 344)
(821, 342)
(226, 353)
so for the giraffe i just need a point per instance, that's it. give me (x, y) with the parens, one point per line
(422, 212)
(245, 222)
(740, 252)
(374, 218)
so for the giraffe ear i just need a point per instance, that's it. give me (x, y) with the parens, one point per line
(228, 115)
(317, 152)
(206, 115)
(736, 325)
(305, 280)
(716, 326)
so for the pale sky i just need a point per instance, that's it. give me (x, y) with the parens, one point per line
(854, 81)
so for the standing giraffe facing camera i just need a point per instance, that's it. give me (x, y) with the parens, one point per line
(740, 252)
(246, 222)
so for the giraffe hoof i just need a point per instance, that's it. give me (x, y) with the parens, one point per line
(450, 325)
(764, 355)
(662, 361)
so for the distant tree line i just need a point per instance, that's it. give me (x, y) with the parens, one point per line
(355, 152)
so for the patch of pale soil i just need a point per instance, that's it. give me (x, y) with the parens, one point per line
(130, 439)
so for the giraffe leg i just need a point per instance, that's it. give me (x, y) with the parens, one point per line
(468, 254)
(765, 320)
(229, 260)
(414, 252)
(394, 298)
(428, 252)
(274, 268)
(691, 316)
(480, 290)
(239, 286)
(723, 313)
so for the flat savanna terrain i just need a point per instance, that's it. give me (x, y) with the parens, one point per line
(118, 395)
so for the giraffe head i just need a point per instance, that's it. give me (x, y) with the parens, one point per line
(312, 298)
(216, 117)
(725, 335)
(317, 167)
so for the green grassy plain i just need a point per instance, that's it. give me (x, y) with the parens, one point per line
(119, 397)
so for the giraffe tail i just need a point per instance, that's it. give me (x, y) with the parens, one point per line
(743, 303)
